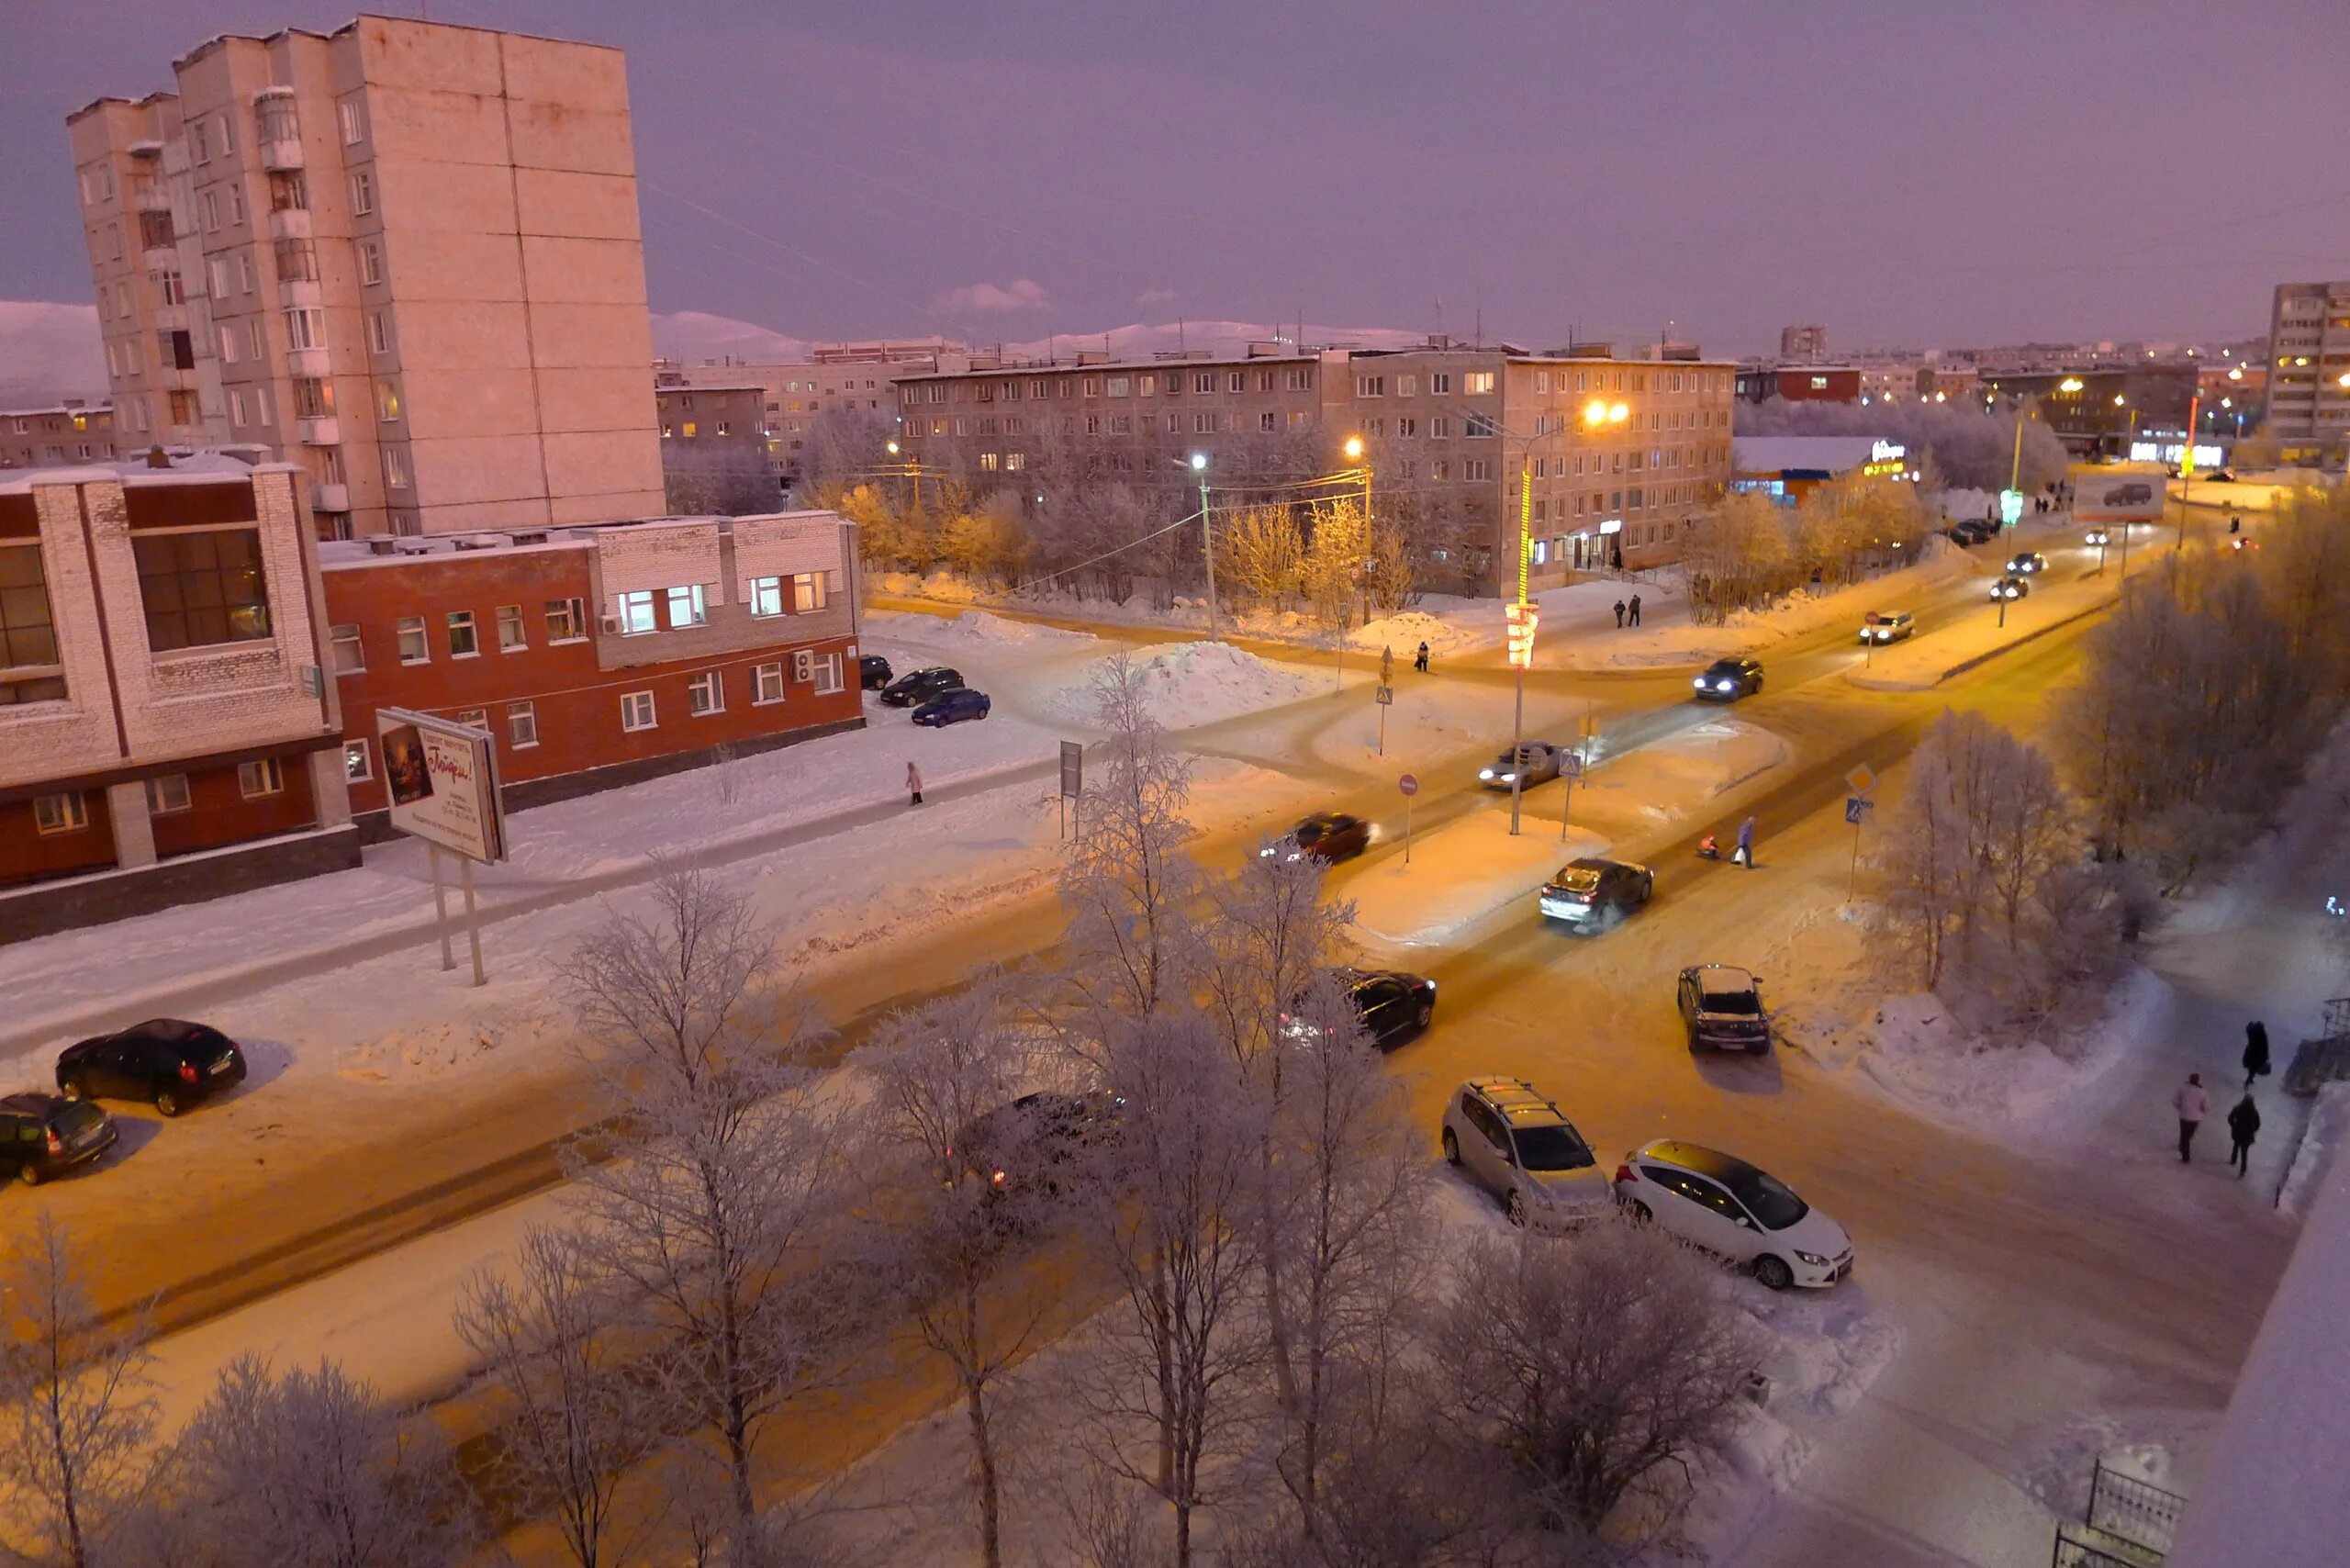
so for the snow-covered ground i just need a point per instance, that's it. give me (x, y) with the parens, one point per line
(2069, 587)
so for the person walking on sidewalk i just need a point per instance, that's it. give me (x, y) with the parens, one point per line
(913, 785)
(2244, 1125)
(1420, 660)
(2192, 1105)
(1619, 614)
(1744, 853)
(2255, 1052)
(1636, 610)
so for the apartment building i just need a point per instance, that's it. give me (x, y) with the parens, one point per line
(405, 255)
(2102, 412)
(1801, 383)
(1803, 345)
(1448, 428)
(845, 378)
(54, 437)
(714, 455)
(597, 656)
(166, 730)
(2308, 372)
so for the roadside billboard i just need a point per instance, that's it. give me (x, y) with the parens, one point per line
(442, 776)
(2103, 494)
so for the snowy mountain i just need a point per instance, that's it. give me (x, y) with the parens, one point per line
(692, 336)
(48, 351)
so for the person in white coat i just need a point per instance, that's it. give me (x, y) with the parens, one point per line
(914, 784)
(2192, 1104)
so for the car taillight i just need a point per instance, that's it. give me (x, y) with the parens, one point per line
(56, 1144)
(999, 1178)
(187, 1071)
(1626, 1174)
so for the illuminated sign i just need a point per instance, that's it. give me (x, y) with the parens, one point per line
(2206, 455)
(1522, 620)
(1887, 452)
(1612, 525)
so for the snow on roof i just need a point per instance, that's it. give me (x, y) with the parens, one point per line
(1776, 453)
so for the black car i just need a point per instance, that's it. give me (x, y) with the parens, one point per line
(2028, 562)
(1326, 837)
(1723, 1008)
(169, 1064)
(1727, 680)
(44, 1134)
(953, 707)
(2218, 476)
(872, 672)
(1972, 531)
(921, 686)
(2012, 587)
(1038, 1135)
(2132, 494)
(1593, 893)
(1391, 1003)
(1539, 760)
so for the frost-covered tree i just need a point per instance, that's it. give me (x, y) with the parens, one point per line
(1340, 544)
(1261, 554)
(1738, 555)
(1969, 448)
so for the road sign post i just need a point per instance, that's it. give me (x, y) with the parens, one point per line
(1569, 771)
(1857, 806)
(1072, 778)
(1385, 697)
(1410, 787)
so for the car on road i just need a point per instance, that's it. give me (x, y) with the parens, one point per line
(1727, 680)
(1039, 1137)
(43, 1136)
(919, 686)
(953, 707)
(2026, 564)
(2099, 537)
(1972, 531)
(1594, 894)
(1539, 760)
(1721, 1203)
(1721, 1006)
(2011, 588)
(2219, 477)
(872, 672)
(1515, 1142)
(1887, 626)
(1328, 836)
(1393, 1004)
(170, 1063)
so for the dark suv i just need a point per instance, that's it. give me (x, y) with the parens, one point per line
(872, 672)
(1722, 1007)
(917, 686)
(169, 1064)
(43, 1136)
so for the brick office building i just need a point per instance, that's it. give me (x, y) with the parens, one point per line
(598, 656)
(164, 732)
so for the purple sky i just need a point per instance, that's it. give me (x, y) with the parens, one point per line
(1908, 174)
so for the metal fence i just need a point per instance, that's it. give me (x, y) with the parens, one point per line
(2135, 1511)
(2073, 1551)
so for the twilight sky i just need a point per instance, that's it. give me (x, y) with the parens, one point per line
(1908, 171)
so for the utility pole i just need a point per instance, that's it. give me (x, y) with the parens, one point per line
(1525, 553)
(2187, 467)
(1207, 540)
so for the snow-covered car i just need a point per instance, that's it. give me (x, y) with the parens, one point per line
(1539, 760)
(953, 707)
(919, 686)
(1515, 1142)
(2097, 537)
(1593, 894)
(1721, 1203)
(1727, 680)
(2011, 588)
(1328, 836)
(1887, 626)
(1722, 1007)
(2026, 563)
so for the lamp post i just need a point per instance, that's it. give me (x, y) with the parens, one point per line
(913, 469)
(1207, 540)
(1354, 450)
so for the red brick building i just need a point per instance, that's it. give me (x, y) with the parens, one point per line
(597, 655)
(1799, 383)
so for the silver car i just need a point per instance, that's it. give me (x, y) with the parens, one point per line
(1515, 1142)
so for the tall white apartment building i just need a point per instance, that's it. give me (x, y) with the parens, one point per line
(2309, 371)
(405, 254)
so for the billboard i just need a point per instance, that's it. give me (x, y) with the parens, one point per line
(2104, 495)
(442, 778)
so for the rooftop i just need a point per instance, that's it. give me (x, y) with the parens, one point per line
(1778, 454)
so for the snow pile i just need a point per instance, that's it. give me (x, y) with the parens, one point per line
(940, 586)
(1185, 684)
(1465, 870)
(975, 628)
(1963, 503)
(1406, 629)
(2313, 1155)
(1671, 779)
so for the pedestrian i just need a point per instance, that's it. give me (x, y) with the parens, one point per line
(1619, 614)
(1420, 661)
(2192, 1104)
(2244, 1125)
(2235, 525)
(1744, 855)
(1636, 610)
(914, 784)
(2255, 1051)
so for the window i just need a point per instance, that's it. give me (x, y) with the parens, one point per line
(1371, 387)
(306, 326)
(473, 718)
(691, 428)
(464, 641)
(766, 596)
(387, 402)
(811, 590)
(207, 207)
(1204, 381)
(202, 589)
(766, 684)
(706, 693)
(1268, 422)
(358, 762)
(686, 607)
(29, 671)
(521, 725)
(350, 654)
(379, 333)
(720, 428)
(363, 191)
(235, 406)
(636, 613)
(1297, 381)
(989, 461)
(1440, 428)
(217, 269)
(1482, 424)
(415, 648)
(395, 467)
(60, 813)
(510, 637)
(826, 670)
(1407, 426)
(1118, 386)
(636, 711)
(257, 780)
(566, 621)
(245, 279)
(237, 205)
(371, 262)
(168, 794)
(353, 131)
(1440, 383)
(1477, 383)
(1203, 424)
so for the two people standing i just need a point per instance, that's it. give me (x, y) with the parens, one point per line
(1628, 614)
(2193, 1103)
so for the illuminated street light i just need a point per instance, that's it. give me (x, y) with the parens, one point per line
(1619, 414)
(892, 449)
(2236, 375)
(2119, 399)
(2070, 383)
(1941, 397)
(1595, 412)
(1354, 449)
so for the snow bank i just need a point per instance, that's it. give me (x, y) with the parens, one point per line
(1674, 778)
(2314, 1154)
(1465, 870)
(1197, 683)
(973, 629)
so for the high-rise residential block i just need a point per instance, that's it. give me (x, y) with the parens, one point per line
(2309, 371)
(1803, 344)
(405, 254)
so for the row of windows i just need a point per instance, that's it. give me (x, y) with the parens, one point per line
(565, 621)
(167, 795)
(1295, 379)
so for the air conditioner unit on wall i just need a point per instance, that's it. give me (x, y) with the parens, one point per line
(611, 626)
(803, 665)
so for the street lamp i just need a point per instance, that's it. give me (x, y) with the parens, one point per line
(1207, 540)
(1354, 451)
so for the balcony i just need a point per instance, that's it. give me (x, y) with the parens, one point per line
(171, 318)
(152, 197)
(299, 291)
(325, 430)
(307, 361)
(290, 223)
(276, 156)
(330, 498)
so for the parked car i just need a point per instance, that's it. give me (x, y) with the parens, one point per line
(1722, 1007)
(43, 1136)
(1037, 1137)
(872, 672)
(2012, 587)
(1887, 626)
(1593, 894)
(1516, 1143)
(1537, 759)
(919, 686)
(1727, 680)
(2219, 477)
(1972, 531)
(953, 707)
(1393, 1003)
(2097, 537)
(1328, 836)
(2026, 564)
(169, 1063)
(1730, 1208)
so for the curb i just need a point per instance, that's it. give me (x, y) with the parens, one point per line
(2032, 636)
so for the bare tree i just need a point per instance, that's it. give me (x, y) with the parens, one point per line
(314, 1468)
(1600, 1376)
(77, 1406)
(548, 1339)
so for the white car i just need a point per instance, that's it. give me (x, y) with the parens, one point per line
(1517, 1143)
(2096, 536)
(1727, 1206)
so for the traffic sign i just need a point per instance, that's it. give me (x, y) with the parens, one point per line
(1570, 765)
(1385, 695)
(1409, 785)
(1862, 779)
(1856, 807)
(1386, 667)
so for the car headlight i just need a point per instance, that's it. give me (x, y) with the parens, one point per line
(1699, 683)
(1486, 773)
(1265, 854)
(1814, 1259)
(1721, 685)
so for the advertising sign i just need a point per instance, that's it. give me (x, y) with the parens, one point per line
(1521, 621)
(2101, 495)
(442, 776)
